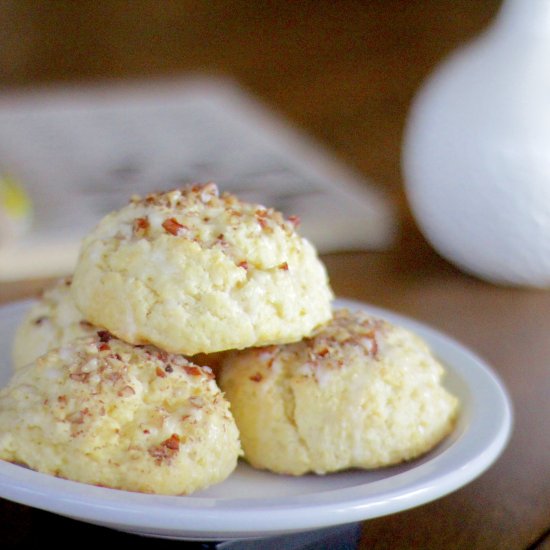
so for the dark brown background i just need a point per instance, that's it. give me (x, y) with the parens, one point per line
(345, 71)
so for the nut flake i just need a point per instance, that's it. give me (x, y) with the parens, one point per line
(166, 451)
(79, 376)
(126, 391)
(140, 226)
(172, 226)
(295, 221)
(160, 373)
(192, 370)
(104, 336)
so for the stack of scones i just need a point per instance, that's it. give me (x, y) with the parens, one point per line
(198, 328)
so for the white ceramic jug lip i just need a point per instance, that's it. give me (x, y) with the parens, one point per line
(528, 15)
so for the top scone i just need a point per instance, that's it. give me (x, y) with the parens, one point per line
(192, 271)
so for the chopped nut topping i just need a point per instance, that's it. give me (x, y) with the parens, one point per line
(160, 372)
(284, 266)
(162, 355)
(77, 417)
(140, 226)
(167, 450)
(371, 338)
(104, 335)
(346, 331)
(114, 377)
(173, 442)
(256, 377)
(172, 226)
(323, 352)
(126, 391)
(80, 376)
(243, 264)
(262, 221)
(295, 221)
(187, 209)
(192, 370)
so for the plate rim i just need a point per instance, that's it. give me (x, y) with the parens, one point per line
(162, 515)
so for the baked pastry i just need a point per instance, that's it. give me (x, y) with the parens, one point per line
(104, 412)
(52, 322)
(194, 272)
(360, 393)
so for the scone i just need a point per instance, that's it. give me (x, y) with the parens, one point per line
(50, 323)
(359, 393)
(104, 412)
(194, 272)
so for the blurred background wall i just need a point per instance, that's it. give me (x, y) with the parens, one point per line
(346, 70)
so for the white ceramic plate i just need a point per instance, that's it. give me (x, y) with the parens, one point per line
(255, 504)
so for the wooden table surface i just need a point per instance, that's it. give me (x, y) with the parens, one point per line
(346, 73)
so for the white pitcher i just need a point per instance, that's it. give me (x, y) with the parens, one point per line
(476, 155)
